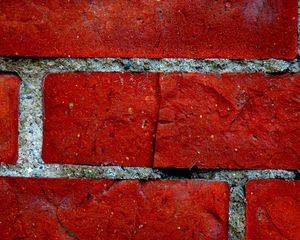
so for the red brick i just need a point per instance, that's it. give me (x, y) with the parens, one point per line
(100, 118)
(9, 92)
(193, 29)
(235, 120)
(273, 210)
(104, 209)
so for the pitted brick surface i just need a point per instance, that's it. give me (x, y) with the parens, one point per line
(154, 29)
(107, 209)
(236, 120)
(100, 118)
(273, 210)
(9, 92)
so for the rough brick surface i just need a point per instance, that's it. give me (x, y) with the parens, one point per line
(9, 91)
(229, 121)
(100, 118)
(104, 209)
(273, 210)
(197, 28)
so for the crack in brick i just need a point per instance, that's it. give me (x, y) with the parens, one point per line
(66, 230)
(63, 227)
(158, 98)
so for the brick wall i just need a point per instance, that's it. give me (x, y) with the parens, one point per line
(149, 119)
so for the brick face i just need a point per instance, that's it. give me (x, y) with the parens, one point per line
(107, 209)
(9, 91)
(194, 29)
(100, 118)
(273, 210)
(235, 120)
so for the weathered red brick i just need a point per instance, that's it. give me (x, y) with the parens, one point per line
(9, 92)
(100, 118)
(273, 210)
(196, 28)
(235, 120)
(107, 209)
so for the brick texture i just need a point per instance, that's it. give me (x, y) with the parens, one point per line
(273, 210)
(9, 91)
(100, 118)
(194, 29)
(157, 127)
(235, 120)
(107, 209)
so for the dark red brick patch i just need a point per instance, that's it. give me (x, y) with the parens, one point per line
(9, 92)
(192, 29)
(100, 118)
(273, 210)
(236, 120)
(107, 209)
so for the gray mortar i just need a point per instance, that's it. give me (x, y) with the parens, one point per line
(30, 163)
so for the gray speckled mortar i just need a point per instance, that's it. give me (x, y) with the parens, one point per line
(30, 163)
